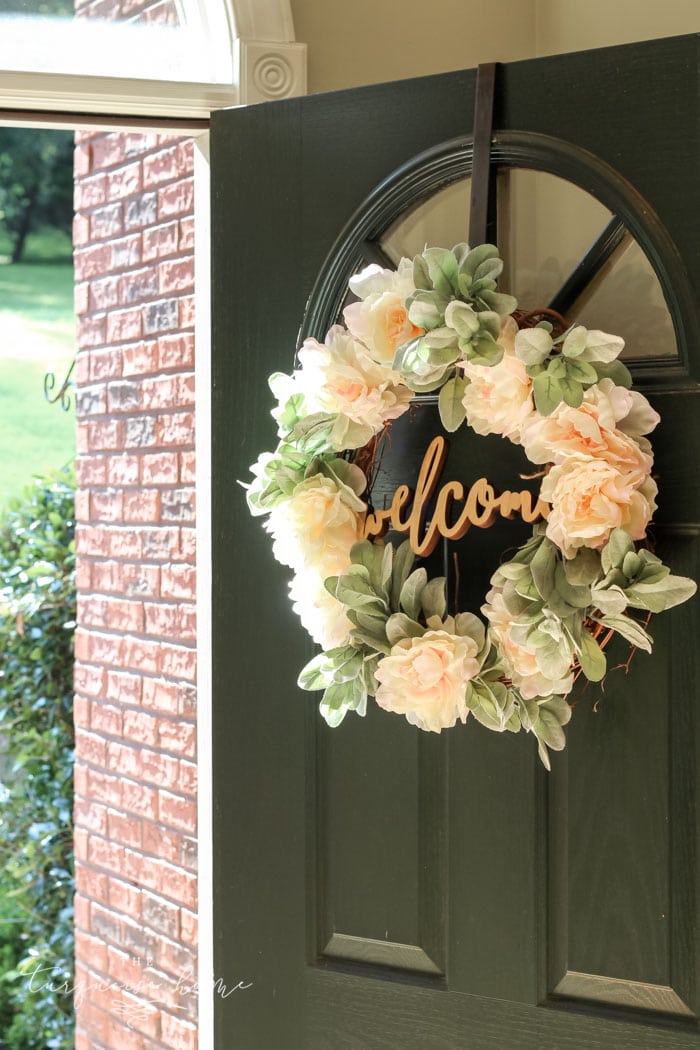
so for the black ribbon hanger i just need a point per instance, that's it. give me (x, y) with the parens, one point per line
(482, 183)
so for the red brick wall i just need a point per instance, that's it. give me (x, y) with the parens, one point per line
(135, 705)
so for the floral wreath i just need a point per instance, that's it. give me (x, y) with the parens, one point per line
(438, 323)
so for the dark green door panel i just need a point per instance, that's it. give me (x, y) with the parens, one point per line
(383, 888)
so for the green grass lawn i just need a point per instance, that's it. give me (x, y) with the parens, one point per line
(37, 334)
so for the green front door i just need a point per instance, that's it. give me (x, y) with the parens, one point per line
(376, 887)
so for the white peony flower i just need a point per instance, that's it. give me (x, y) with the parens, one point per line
(322, 615)
(340, 378)
(590, 498)
(315, 527)
(380, 319)
(426, 678)
(587, 432)
(498, 399)
(627, 410)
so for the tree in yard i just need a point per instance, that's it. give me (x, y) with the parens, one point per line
(38, 7)
(36, 183)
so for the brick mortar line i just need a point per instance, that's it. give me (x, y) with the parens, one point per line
(152, 151)
(149, 343)
(190, 602)
(126, 344)
(101, 417)
(100, 974)
(118, 560)
(147, 186)
(134, 231)
(166, 561)
(127, 815)
(136, 636)
(99, 870)
(137, 304)
(145, 525)
(119, 876)
(152, 263)
(132, 304)
(138, 709)
(88, 211)
(135, 849)
(153, 675)
(131, 670)
(126, 596)
(127, 742)
(162, 486)
(122, 880)
(96, 559)
(90, 558)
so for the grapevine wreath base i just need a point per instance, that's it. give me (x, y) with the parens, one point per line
(438, 323)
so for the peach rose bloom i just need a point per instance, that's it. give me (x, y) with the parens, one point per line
(315, 528)
(380, 319)
(340, 378)
(322, 615)
(498, 399)
(520, 662)
(590, 498)
(626, 410)
(587, 432)
(425, 679)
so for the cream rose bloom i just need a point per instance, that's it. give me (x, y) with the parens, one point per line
(498, 399)
(425, 679)
(322, 615)
(341, 379)
(315, 527)
(627, 410)
(380, 319)
(521, 663)
(590, 498)
(590, 432)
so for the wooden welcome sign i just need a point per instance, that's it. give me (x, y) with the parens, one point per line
(481, 506)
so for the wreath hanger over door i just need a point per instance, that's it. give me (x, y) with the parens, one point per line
(438, 325)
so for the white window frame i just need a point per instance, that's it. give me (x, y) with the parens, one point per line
(266, 64)
(253, 39)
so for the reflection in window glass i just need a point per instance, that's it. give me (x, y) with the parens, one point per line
(626, 298)
(442, 219)
(545, 227)
(170, 42)
(37, 7)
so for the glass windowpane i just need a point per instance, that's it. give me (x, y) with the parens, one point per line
(546, 226)
(49, 36)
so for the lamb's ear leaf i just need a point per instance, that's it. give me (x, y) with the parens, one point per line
(630, 630)
(421, 277)
(403, 563)
(591, 657)
(433, 599)
(547, 393)
(452, 411)
(543, 567)
(409, 599)
(662, 595)
(399, 626)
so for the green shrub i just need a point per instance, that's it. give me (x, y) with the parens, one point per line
(37, 621)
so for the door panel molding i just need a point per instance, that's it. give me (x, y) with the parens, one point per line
(612, 991)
